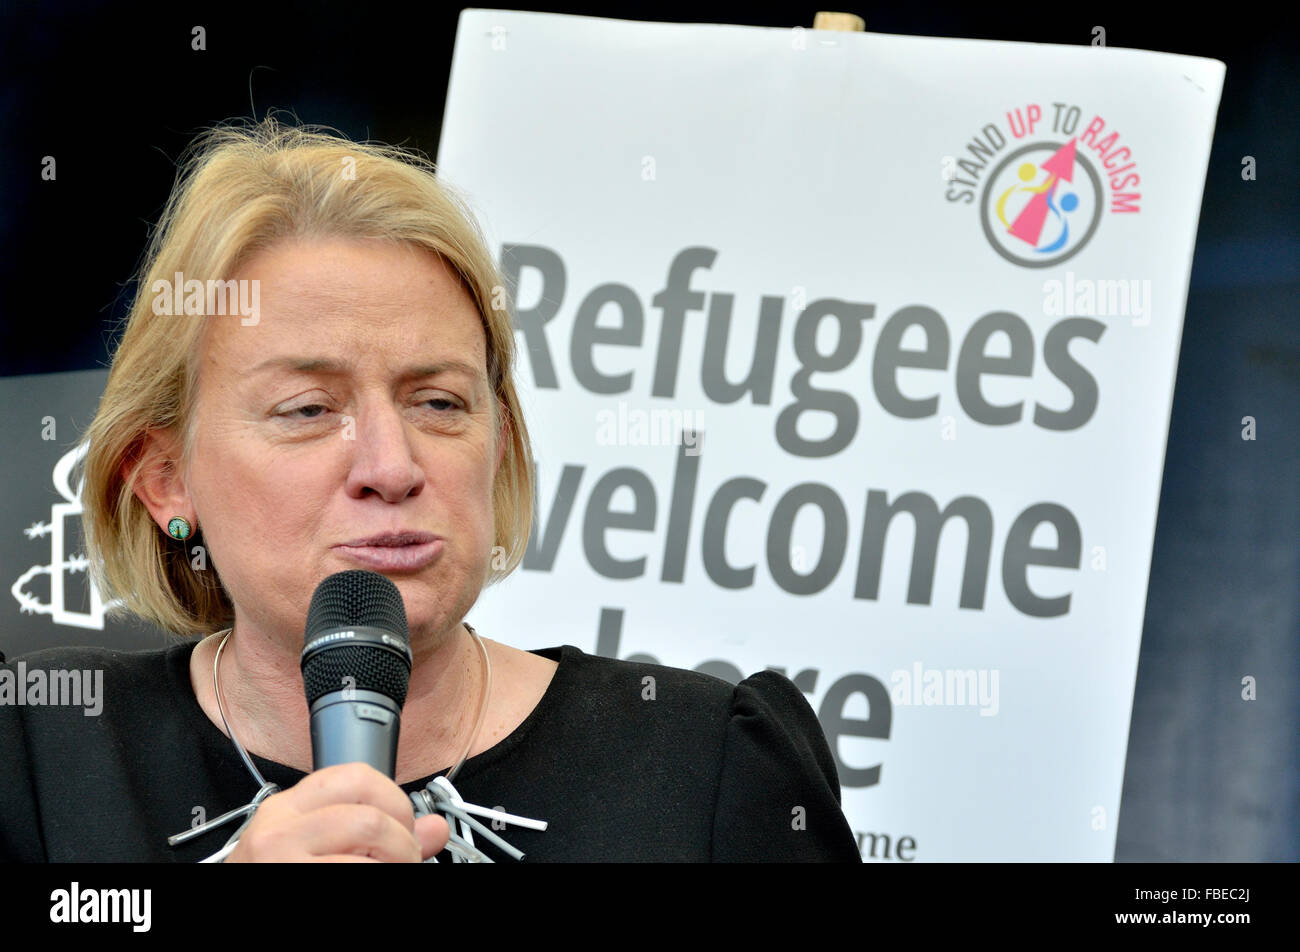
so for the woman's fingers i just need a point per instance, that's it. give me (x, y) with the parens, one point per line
(352, 783)
(342, 813)
(432, 832)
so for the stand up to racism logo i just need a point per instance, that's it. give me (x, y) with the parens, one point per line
(1041, 203)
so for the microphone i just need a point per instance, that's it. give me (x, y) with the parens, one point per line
(356, 667)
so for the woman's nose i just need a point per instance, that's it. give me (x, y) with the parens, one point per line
(382, 459)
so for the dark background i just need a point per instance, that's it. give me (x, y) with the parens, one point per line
(114, 92)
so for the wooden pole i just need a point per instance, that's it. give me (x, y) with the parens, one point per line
(848, 22)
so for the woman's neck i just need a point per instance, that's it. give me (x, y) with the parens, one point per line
(266, 706)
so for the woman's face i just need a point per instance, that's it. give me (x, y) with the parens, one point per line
(357, 405)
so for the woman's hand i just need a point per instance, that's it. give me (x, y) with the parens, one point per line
(349, 813)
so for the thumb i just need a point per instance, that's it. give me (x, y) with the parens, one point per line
(432, 833)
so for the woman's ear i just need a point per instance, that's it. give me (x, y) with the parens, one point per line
(160, 484)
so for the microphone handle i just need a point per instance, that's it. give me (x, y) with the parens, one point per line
(350, 725)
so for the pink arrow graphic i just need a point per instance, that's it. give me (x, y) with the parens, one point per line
(1061, 164)
(1028, 225)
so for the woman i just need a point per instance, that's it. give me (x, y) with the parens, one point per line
(357, 410)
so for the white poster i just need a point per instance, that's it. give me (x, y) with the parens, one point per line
(851, 355)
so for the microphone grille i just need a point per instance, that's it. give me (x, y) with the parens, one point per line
(371, 669)
(357, 598)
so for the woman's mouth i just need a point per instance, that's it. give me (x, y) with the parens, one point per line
(394, 551)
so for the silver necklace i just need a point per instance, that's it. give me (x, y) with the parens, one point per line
(257, 775)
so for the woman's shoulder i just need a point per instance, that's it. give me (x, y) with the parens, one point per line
(638, 679)
(55, 655)
(123, 663)
(764, 712)
(663, 698)
(750, 758)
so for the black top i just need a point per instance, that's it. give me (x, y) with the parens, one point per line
(684, 768)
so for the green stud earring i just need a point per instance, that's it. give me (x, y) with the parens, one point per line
(179, 528)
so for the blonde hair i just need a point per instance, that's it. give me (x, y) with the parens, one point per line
(240, 189)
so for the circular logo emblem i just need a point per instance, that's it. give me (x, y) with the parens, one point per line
(1041, 204)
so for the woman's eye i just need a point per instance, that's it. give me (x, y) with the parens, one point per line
(314, 411)
(309, 412)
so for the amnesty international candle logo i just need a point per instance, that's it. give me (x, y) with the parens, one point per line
(61, 563)
(1041, 203)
